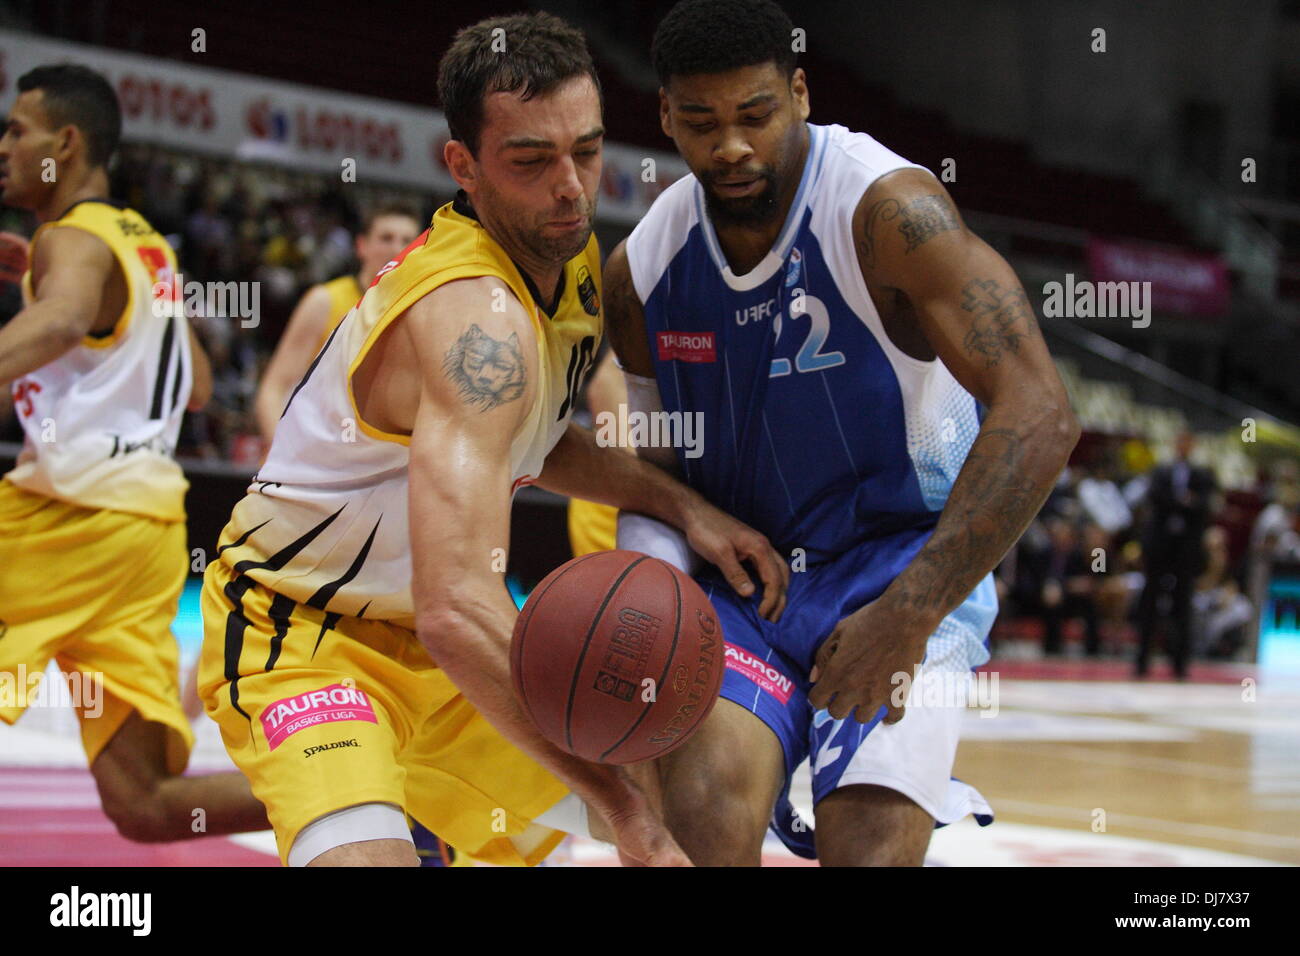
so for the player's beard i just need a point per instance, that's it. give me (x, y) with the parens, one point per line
(746, 210)
(527, 232)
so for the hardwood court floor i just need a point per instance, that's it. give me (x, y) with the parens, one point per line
(1169, 774)
(1211, 764)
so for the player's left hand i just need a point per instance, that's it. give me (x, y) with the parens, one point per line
(857, 666)
(722, 540)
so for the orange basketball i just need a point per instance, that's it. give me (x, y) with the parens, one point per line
(617, 657)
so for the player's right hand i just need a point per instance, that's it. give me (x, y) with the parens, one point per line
(724, 541)
(639, 832)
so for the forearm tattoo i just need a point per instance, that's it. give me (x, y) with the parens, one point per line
(1000, 489)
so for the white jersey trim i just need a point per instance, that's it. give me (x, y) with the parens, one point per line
(776, 256)
(660, 235)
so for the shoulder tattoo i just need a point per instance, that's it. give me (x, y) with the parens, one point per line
(918, 221)
(488, 372)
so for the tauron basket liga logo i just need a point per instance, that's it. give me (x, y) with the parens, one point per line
(284, 718)
(687, 347)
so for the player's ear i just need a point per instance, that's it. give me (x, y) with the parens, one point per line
(665, 113)
(799, 90)
(460, 163)
(66, 141)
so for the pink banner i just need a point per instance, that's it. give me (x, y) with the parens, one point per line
(1188, 282)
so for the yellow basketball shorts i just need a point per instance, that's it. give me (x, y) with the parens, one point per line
(323, 712)
(95, 591)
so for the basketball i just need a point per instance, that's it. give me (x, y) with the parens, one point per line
(617, 657)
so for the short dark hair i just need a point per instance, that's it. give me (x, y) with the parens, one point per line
(387, 209)
(541, 52)
(78, 96)
(715, 36)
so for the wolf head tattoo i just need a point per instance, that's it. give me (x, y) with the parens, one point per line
(487, 371)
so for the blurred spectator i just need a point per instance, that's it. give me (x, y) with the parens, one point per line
(1220, 612)
(1274, 534)
(1055, 582)
(1180, 497)
(1121, 591)
(208, 241)
(1274, 537)
(1102, 501)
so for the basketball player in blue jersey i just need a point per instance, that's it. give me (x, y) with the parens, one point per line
(874, 397)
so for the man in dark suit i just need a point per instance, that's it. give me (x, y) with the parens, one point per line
(1179, 499)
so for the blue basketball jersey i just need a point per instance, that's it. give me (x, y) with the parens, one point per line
(816, 429)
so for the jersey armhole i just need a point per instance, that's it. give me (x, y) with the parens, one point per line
(858, 283)
(100, 340)
(399, 308)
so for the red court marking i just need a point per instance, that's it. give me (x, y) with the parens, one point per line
(52, 817)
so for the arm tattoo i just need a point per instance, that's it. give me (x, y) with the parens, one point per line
(1000, 318)
(999, 490)
(487, 371)
(919, 221)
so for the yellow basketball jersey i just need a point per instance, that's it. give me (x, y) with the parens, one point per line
(592, 527)
(325, 522)
(344, 293)
(101, 421)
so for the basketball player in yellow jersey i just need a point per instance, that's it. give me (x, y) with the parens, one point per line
(386, 232)
(357, 623)
(92, 520)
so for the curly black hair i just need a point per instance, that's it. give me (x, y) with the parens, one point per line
(714, 36)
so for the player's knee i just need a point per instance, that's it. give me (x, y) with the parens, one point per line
(886, 853)
(868, 825)
(713, 807)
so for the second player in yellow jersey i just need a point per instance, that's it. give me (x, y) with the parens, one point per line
(387, 230)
